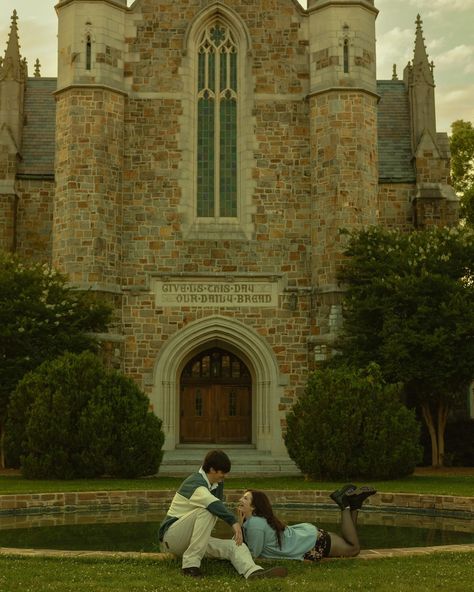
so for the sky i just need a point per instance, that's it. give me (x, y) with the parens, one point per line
(448, 27)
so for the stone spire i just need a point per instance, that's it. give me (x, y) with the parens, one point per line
(418, 78)
(13, 67)
(422, 69)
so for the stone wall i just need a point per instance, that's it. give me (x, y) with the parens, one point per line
(34, 219)
(115, 500)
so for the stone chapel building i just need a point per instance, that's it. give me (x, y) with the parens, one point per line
(194, 162)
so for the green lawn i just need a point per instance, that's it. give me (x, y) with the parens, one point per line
(440, 572)
(462, 485)
(446, 572)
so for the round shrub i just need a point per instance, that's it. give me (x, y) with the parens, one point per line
(73, 418)
(350, 424)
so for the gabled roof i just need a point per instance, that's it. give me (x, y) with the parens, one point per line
(38, 147)
(394, 133)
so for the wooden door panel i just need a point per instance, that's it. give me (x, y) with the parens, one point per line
(233, 420)
(196, 421)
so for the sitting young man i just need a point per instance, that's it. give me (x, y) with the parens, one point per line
(194, 510)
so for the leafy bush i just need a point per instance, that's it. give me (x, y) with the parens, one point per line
(73, 418)
(350, 424)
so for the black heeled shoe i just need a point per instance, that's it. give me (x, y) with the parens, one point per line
(358, 496)
(340, 496)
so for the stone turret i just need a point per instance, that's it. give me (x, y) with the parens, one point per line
(91, 42)
(343, 112)
(13, 74)
(90, 135)
(435, 202)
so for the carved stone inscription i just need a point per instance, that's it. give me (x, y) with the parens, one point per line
(212, 293)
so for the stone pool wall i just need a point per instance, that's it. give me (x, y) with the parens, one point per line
(109, 500)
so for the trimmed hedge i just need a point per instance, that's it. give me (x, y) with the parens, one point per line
(350, 424)
(73, 418)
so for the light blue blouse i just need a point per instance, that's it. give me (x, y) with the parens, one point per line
(262, 541)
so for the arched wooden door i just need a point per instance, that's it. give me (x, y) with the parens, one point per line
(215, 405)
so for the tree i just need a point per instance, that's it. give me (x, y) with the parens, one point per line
(409, 306)
(461, 143)
(40, 318)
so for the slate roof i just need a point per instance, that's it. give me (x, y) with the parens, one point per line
(394, 134)
(38, 145)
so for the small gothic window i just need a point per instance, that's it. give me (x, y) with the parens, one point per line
(198, 403)
(196, 371)
(206, 366)
(88, 53)
(225, 365)
(346, 56)
(235, 369)
(216, 364)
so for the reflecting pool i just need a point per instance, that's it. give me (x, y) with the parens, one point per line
(136, 530)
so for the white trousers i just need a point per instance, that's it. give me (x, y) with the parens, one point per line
(190, 538)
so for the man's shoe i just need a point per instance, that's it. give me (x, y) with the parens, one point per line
(193, 572)
(357, 497)
(340, 496)
(271, 572)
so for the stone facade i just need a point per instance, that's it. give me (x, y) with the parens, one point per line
(320, 145)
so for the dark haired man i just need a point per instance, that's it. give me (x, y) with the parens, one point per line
(195, 508)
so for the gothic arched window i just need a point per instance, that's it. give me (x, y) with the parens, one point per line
(217, 104)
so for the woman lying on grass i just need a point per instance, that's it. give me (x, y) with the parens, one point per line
(267, 536)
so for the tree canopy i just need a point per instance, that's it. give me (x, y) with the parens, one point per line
(41, 317)
(409, 307)
(461, 144)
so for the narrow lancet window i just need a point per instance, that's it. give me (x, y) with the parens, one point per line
(217, 124)
(346, 56)
(88, 53)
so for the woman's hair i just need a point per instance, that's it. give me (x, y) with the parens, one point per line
(263, 508)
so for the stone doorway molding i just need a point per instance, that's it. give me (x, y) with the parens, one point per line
(235, 337)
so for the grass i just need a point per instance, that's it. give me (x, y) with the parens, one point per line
(442, 573)
(450, 484)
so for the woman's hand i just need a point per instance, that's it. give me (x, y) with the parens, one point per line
(240, 516)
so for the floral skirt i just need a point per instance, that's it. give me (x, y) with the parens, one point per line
(321, 548)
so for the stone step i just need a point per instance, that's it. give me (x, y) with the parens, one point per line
(179, 462)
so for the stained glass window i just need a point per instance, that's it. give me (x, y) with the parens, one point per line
(217, 124)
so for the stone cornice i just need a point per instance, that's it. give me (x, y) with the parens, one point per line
(347, 89)
(114, 3)
(91, 87)
(320, 4)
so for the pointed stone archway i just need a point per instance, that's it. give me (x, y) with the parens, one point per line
(233, 336)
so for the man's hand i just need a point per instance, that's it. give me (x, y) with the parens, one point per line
(238, 536)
